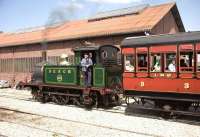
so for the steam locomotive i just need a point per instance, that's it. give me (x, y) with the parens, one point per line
(163, 69)
(64, 84)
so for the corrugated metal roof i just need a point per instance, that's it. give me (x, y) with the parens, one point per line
(119, 12)
(134, 23)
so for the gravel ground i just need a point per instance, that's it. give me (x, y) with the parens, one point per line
(74, 121)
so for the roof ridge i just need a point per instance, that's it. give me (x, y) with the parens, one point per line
(163, 4)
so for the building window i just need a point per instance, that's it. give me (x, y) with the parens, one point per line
(186, 61)
(156, 63)
(142, 60)
(129, 63)
(170, 62)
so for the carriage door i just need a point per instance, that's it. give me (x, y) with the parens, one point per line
(186, 61)
(198, 59)
(129, 62)
(129, 66)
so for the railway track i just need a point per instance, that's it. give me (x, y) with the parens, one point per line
(173, 115)
(176, 116)
(79, 122)
(3, 119)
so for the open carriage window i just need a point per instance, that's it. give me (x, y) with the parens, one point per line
(198, 61)
(186, 61)
(155, 62)
(129, 63)
(142, 60)
(170, 62)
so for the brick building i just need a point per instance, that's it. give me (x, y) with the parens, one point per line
(20, 51)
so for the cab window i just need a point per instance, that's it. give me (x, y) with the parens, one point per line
(155, 62)
(170, 62)
(104, 54)
(129, 63)
(186, 61)
(142, 60)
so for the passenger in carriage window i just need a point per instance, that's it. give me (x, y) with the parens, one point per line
(172, 66)
(142, 62)
(183, 63)
(129, 63)
(170, 62)
(156, 59)
(128, 66)
(186, 61)
(156, 67)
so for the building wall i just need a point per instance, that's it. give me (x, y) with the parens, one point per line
(17, 63)
(166, 25)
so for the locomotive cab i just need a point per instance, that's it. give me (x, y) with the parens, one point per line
(105, 70)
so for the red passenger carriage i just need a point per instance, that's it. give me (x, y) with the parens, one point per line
(164, 69)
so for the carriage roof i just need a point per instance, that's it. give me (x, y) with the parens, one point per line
(185, 37)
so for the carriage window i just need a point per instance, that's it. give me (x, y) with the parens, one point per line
(198, 61)
(170, 62)
(129, 63)
(186, 61)
(142, 62)
(156, 62)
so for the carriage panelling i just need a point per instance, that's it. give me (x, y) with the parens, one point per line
(162, 85)
(160, 81)
(166, 49)
(128, 50)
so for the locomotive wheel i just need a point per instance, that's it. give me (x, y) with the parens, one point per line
(106, 100)
(55, 99)
(95, 99)
(34, 93)
(61, 100)
(127, 101)
(196, 105)
(76, 101)
(183, 106)
(66, 100)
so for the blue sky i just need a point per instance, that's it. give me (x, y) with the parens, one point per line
(19, 14)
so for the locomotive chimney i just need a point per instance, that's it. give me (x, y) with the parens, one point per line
(44, 56)
(44, 50)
